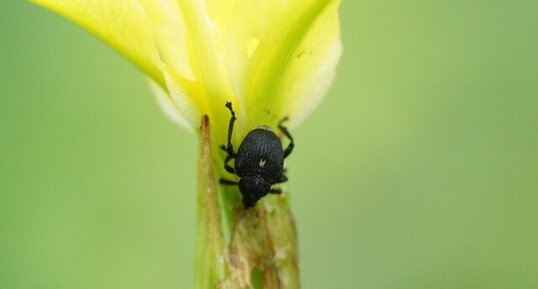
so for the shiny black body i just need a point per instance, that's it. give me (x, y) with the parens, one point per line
(260, 154)
(259, 162)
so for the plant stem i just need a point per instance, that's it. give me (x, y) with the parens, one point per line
(259, 246)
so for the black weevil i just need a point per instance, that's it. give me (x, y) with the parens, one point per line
(259, 162)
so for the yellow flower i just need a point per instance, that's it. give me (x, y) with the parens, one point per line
(269, 58)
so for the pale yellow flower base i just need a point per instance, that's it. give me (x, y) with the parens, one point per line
(260, 249)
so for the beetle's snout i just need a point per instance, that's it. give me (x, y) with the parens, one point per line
(253, 188)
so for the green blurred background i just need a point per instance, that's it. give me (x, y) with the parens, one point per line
(418, 171)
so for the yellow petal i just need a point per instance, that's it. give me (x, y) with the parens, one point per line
(186, 100)
(169, 106)
(208, 65)
(280, 55)
(181, 92)
(311, 69)
(170, 35)
(122, 24)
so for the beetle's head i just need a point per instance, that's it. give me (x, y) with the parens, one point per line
(253, 188)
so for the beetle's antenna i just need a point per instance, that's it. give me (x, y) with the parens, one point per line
(229, 147)
(229, 106)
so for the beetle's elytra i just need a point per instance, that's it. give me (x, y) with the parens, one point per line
(259, 162)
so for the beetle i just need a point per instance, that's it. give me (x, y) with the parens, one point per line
(259, 161)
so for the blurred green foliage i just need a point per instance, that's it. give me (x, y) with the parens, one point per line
(418, 171)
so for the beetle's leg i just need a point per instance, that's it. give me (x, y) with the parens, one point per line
(229, 147)
(228, 182)
(227, 167)
(275, 191)
(283, 179)
(285, 131)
